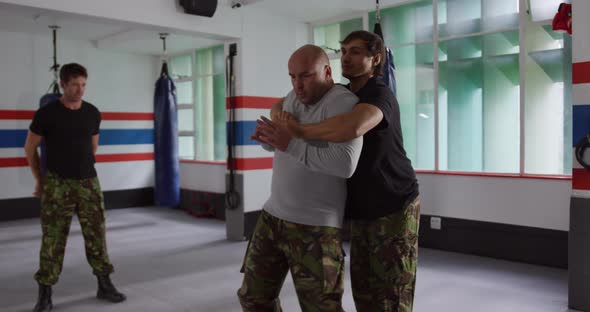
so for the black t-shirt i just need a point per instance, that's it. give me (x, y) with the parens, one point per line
(68, 138)
(384, 180)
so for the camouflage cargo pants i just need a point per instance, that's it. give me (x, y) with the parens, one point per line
(62, 198)
(314, 256)
(383, 259)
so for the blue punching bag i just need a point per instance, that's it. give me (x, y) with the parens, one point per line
(388, 75)
(46, 99)
(167, 189)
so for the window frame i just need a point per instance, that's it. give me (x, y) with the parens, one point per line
(524, 21)
(192, 105)
(187, 106)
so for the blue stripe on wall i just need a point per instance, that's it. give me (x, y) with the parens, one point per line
(581, 122)
(126, 136)
(16, 138)
(244, 130)
(13, 138)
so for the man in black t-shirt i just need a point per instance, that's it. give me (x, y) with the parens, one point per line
(69, 126)
(382, 199)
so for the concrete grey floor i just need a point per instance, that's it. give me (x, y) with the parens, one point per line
(167, 261)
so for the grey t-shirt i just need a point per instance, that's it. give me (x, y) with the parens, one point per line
(311, 189)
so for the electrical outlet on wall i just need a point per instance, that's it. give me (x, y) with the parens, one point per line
(435, 223)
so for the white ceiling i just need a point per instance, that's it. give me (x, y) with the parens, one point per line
(318, 10)
(148, 42)
(20, 19)
(136, 38)
(106, 34)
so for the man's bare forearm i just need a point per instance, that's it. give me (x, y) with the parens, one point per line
(276, 109)
(32, 142)
(34, 163)
(336, 129)
(344, 127)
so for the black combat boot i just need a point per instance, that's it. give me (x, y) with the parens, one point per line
(106, 290)
(44, 303)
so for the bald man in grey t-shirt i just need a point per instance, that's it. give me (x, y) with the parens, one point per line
(300, 226)
(314, 192)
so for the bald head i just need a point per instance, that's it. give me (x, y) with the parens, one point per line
(310, 53)
(311, 75)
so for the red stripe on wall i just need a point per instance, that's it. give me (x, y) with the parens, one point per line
(124, 157)
(13, 162)
(28, 115)
(16, 114)
(580, 179)
(252, 102)
(203, 162)
(22, 161)
(581, 72)
(127, 116)
(495, 175)
(252, 163)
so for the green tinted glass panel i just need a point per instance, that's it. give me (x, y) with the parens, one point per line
(461, 105)
(200, 121)
(405, 24)
(336, 66)
(499, 15)
(459, 17)
(548, 115)
(181, 66)
(541, 10)
(184, 92)
(501, 103)
(186, 147)
(349, 26)
(204, 62)
(329, 36)
(218, 60)
(186, 120)
(415, 94)
(210, 104)
(479, 104)
(219, 112)
(205, 137)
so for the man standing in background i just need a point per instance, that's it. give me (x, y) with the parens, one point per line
(70, 128)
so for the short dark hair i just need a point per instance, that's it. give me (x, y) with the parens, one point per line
(71, 71)
(373, 43)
